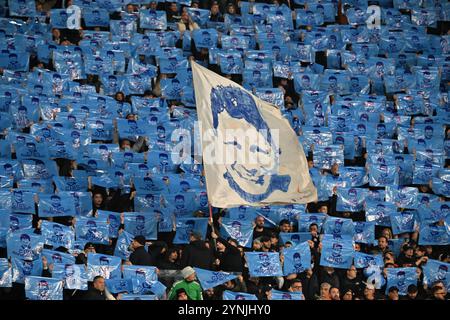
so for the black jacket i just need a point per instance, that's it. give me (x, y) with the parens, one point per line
(197, 254)
(141, 257)
(94, 294)
(230, 259)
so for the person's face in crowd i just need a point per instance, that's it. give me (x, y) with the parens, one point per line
(182, 296)
(351, 273)
(99, 284)
(369, 293)
(256, 245)
(386, 233)
(215, 9)
(296, 287)
(185, 17)
(325, 291)
(382, 243)
(259, 222)
(393, 295)
(135, 245)
(412, 295)
(98, 199)
(220, 247)
(409, 253)
(173, 256)
(323, 209)
(173, 7)
(314, 229)
(267, 244)
(334, 294)
(285, 227)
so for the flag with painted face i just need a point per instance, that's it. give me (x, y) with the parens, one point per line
(205, 38)
(364, 232)
(433, 235)
(379, 212)
(122, 249)
(306, 219)
(241, 231)
(350, 199)
(22, 8)
(25, 268)
(5, 273)
(93, 230)
(338, 226)
(54, 257)
(40, 288)
(294, 238)
(242, 184)
(337, 252)
(185, 226)
(57, 235)
(403, 221)
(103, 265)
(364, 260)
(24, 245)
(210, 279)
(55, 205)
(402, 197)
(441, 185)
(14, 61)
(280, 295)
(230, 295)
(74, 275)
(113, 219)
(142, 278)
(264, 264)
(142, 224)
(401, 278)
(297, 259)
(119, 285)
(22, 201)
(152, 19)
(434, 271)
(381, 175)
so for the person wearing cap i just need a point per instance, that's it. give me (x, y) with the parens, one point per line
(191, 287)
(197, 253)
(140, 256)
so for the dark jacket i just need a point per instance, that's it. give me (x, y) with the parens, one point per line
(230, 259)
(141, 257)
(197, 254)
(94, 294)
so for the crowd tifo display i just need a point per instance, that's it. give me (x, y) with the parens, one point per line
(97, 201)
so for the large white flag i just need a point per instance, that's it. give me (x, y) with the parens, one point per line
(251, 155)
